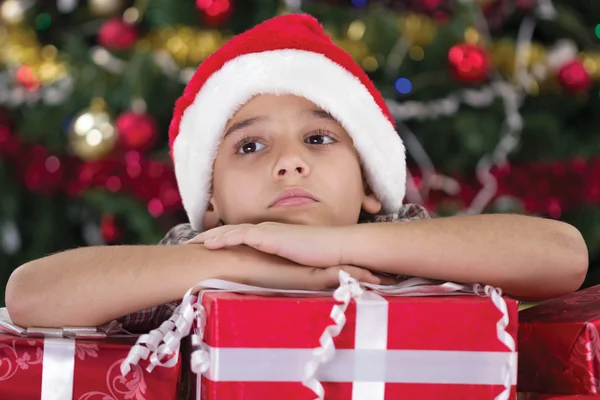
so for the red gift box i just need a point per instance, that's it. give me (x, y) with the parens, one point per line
(559, 345)
(59, 368)
(433, 348)
(256, 343)
(254, 346)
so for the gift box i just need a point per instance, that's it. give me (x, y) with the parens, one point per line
(559, 347)
(380, 347)
(76, 363)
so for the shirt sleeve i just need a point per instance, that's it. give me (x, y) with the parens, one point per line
(408, 212)
(412, 212)
(150, 318)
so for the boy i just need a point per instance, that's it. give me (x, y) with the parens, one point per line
(281, 144)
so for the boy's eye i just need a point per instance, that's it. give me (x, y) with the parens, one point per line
(319, 139)
(250, 147)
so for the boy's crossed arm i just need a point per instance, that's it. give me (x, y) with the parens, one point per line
(528, 257)
(93, 285)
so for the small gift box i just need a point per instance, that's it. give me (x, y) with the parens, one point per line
(405, 341)
(77, 363)
(559, 345)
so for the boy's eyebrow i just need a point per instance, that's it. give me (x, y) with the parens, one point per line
(243, 124)
(250, 121)
(320, 114)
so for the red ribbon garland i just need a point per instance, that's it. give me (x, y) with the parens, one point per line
(542, 187)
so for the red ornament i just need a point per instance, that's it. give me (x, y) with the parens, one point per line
(27, 78)
(6, 118)
(116, 34)
(10, 143)
(109, 229)
(441, 10)
(526, 5)
(573, 77)
(214, 12)
(431, 5)
(44, 172)
(137, 131)
(156, 208)
(469, 63)
(169, 196)
(496, 12)
(554, 207)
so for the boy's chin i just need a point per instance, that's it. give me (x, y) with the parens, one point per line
(293, 220)
(300, 218)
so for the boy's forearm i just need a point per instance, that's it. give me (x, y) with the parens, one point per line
(92, 285)
(525, 256)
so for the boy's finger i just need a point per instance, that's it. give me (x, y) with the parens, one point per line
(361, 274)
(193, 240)
(213, 233)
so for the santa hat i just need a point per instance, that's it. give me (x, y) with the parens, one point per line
(288, 54)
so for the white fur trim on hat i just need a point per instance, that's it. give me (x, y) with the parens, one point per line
(302, 73)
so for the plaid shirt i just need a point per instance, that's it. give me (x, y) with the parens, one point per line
(151, 318)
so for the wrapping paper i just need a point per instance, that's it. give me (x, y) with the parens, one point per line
(559, 345)
(49, 366)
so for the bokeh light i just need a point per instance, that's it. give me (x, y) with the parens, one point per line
(403, 85)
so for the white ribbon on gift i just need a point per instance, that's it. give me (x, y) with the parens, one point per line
(58, 369)
(370, 343)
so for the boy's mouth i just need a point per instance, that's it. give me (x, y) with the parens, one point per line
(293, 197)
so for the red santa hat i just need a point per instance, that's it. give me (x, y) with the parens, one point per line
(288, 54)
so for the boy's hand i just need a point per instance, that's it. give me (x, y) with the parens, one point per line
(253, 267)
(315, 246)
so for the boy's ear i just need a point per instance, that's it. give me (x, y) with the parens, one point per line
(211, 216)
(370, 203)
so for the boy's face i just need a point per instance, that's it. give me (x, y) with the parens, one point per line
(274, 143)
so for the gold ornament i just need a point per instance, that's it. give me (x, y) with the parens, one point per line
(591, 63)
(419, 30)
(186, 45)
(504, 56)
(416, 53)
(356, 48)
(204, 44)
(370, 63)
(356, 30)
(104, 8)
(92, 134)
(50, 71)
(132, 15)
(534, 54)
(19, 46)
(472, 35)
(12, 12)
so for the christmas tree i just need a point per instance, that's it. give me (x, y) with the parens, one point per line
(494, 100)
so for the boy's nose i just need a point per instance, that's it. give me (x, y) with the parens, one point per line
(283, 171)
(291, 165)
